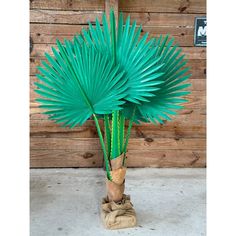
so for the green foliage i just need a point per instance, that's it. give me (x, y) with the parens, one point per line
(153, 68)
(167, 99)
(114, 74)
(78, 82)
(134, 54)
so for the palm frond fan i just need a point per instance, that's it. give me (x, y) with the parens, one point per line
(116, 75)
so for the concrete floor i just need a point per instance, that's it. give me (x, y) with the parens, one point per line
(168, 202)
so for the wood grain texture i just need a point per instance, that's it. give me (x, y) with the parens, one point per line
(177, 6)
(65, 158)
(64, 17)
(144, 144)
(179, 143)
(167, 158)
(82, 17)
(180, 6)
(93, 158)
(65, 24)
(93, 5)
(44, 34)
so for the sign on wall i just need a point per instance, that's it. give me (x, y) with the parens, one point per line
(200, 32)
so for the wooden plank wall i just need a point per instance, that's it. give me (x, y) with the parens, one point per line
(180, 143)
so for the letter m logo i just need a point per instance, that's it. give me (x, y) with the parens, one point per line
(202, 31)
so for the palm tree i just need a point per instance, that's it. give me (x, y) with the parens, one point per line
(116, 75)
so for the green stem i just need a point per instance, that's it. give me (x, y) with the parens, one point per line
(107, 134)
(129, 131)
(122, 131)
(115, 138)
(107, 164)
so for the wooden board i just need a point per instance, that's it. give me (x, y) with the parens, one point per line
(65, 158)
(94, 5)
(65, 24)
(64, 17)
(179, 6)
(93, 158)
(167, 158)
(82, 17)
(41, 33)
(144, 144)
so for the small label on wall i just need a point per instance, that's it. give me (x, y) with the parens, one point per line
(200, 32)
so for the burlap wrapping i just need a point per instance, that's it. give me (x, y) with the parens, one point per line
(115, 191)
(118, 215)
(117, 211)
(116, 187)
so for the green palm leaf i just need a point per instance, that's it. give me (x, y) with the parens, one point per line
(135, 55)
(168, 99)
(79, 81)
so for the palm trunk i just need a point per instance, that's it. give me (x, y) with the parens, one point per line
(117, 211)
(116, 147)
(116, 186)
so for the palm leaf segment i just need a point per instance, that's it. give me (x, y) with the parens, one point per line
(78, 82)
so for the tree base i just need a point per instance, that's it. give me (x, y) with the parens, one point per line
(118, 215)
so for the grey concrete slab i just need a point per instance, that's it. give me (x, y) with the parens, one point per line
(168, 202)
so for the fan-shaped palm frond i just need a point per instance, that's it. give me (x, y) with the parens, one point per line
(135, 55)
(168, 98)
(77, 82)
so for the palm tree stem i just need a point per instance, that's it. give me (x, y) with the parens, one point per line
(129, 131)
(122, 131)
(115, 135)
(107, 134)
(107, 164)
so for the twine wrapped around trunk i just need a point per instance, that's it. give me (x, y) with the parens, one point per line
(117, 211)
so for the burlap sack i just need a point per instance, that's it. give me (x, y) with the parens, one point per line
(118, 215)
